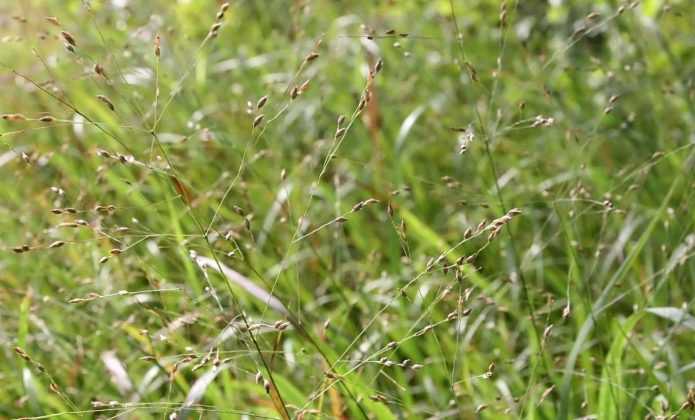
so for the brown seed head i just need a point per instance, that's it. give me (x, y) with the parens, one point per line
(311, 56)
(13, 117)
(67, 36)
(107, 101)
(157, 46)
(378, 66)
(257, 121)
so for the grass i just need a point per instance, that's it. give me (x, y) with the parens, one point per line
(365, 209)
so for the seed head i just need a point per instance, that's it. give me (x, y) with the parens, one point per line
(378, 398)
(68, 224)
(311, 56)
(545, 394)
(378, 66)
(67, 36)
(157, 46)
(107, 101)
(215, 28)
(13, 117)
(362, 104)
(257, 121)
(547, 331)
(281, 325)
(99, 69)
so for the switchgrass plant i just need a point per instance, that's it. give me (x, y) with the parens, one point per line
(364, 209)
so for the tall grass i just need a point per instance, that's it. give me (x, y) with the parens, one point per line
(265, 209)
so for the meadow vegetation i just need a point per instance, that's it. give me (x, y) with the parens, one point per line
(380, 209)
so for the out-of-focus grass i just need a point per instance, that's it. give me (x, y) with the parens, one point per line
(580, 114)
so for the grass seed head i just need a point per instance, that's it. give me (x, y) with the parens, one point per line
(378, 398)
(107, 101)
(157, 46)
(281, 325)
(378, 66)
(14, 117)
(67, 36)
(214, 29)
(21, 353)
(257, 121)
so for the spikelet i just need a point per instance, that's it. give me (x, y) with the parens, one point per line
(257, 121)
(106, 101)
(67, 36)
